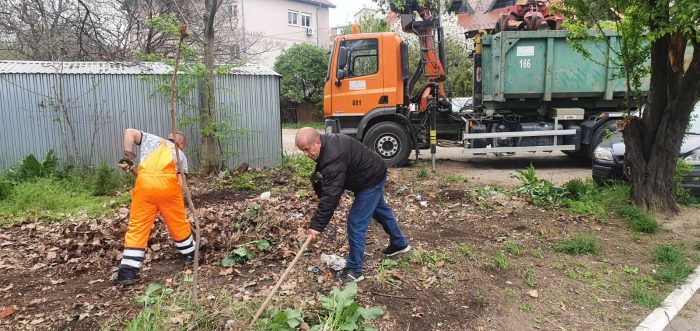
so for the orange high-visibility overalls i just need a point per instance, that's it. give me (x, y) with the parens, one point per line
(156, 190)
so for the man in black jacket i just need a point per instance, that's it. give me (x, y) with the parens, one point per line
(343, 163)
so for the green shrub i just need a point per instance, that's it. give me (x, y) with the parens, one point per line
(6, 188)
(105, 180)
(579, 244)
(575, 188)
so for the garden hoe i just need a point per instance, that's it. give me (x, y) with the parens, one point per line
(279, 282)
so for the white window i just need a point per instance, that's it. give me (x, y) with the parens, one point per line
(306, 20)
(292, 17)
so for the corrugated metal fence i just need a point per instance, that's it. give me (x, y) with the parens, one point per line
(101, 103)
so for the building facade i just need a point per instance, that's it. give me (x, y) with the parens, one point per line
(283, 23)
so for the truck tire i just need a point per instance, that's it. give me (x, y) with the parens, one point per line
(390, 140)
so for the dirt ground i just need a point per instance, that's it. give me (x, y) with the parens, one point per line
(489, 170)
(57, 275)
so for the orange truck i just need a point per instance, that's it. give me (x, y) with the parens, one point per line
(532, 91)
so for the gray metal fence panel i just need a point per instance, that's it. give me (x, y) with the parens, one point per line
(101, 106)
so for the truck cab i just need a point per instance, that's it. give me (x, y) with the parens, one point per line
(366, 85)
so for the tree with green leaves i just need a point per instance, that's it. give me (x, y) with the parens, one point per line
(656, 37)
(303, 68)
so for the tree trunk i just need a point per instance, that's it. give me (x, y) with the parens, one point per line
(653, 142)
(207, 94)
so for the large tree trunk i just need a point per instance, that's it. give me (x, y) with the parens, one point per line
(653, 142)
(207, 94)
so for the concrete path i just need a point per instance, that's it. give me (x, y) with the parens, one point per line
(688, 319)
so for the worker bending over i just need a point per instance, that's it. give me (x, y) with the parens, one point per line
(158, 188)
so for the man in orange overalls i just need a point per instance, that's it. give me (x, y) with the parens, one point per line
(158, 188)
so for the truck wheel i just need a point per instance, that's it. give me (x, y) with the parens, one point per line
(390, 140)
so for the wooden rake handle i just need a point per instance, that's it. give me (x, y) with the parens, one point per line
(279, 282)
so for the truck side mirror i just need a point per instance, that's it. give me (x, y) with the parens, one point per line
(342, 57)
(340, 74)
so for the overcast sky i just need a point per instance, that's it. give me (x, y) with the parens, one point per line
(345, 9)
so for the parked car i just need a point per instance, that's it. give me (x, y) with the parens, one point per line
(608, 157)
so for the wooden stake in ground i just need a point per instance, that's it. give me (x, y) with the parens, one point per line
(193, 210)
(279, 282)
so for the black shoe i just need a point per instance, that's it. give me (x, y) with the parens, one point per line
(123, 277)
(391, 250)
(348, 276)
(187, 258)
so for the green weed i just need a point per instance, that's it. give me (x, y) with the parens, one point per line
(433, 259)
(530, 278)
(674, 273)
(579, 244)
(500, 261)
(251, 181)
(667, 253)
(508, 293)
(538, 254)
(637, 219)
(526, 308)
(630, 270)
(454, 178)
(468, 251)
(645, 297)
(513, 248)
(542, 192)
(423, 172)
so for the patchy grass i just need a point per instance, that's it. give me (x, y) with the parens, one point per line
(500, 261)
(316, 125)
(251, 181)
(530, 278)
(643, 296)
(468, 251)
(667, 253)
(55, 199)
(513, 248)
(579, 244)
(423, 172)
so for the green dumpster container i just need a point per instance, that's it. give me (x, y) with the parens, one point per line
(534, 67)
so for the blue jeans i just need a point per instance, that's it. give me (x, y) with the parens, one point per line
(369, 203)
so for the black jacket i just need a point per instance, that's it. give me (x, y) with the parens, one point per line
(344, 163)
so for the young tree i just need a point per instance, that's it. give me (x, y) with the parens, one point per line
(662, 31)
(303, 68)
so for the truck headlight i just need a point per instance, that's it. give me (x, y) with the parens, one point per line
(602, 153)
(693, 159)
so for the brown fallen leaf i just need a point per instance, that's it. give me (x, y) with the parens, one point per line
(226, 272)
(36, 321)
(57, 281)
(533, 293)
(7, 311)
(7, 288)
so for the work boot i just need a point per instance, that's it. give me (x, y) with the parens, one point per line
(187, 258)
(126, 276)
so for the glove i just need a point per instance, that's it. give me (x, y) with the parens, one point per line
(126, 163)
